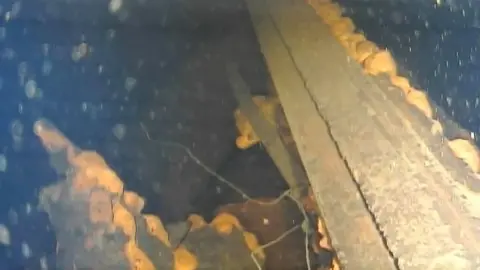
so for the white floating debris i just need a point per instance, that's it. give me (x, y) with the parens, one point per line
(111, 34)
(26, 251)
(4, 235)
(8, 53)
(16, 128)
(12, 216)
(79, 52)
(43, 263)
(3, 163)
(17, 144)
(31, 89)
(28, 208)
(115, 5)
(130, 83)
(3, 33)
(16, 7)
(46, 67)
(45, 49)
(119, 130)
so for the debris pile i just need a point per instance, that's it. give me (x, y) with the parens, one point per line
(100, 225)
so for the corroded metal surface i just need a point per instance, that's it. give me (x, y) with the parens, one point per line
(353, 233)
(422, 198)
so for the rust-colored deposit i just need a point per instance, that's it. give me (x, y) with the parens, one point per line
(137, 258)
(196, 221)
(112, 210)
(247, 136)
(466, 151)
(156, 228)
(184, 260)
(224, 223)
(133, 201)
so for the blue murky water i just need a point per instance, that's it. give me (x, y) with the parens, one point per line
(96, 70)
(436, 46)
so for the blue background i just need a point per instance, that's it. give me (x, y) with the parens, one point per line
(150, 62)
(175, 54)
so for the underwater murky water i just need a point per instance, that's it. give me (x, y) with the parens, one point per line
(99, 69)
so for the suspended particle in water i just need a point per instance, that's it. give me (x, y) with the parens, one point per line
(43, 263)
(3, 163)
(46, 67)
(79, 52)
(12, 216)
(3, 33)
(8, 53)
(115, 5)
(16, 128)
(16, 7)
(152, 114)
(111, 34)
(17, 143)
(22, 69)
(45, 49)
(22, 72)
(31, 89)
(28, 208)
(4, 235)
(119, 130)
(130, 83)
(26, 251)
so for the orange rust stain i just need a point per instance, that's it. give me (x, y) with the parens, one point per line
(81, 182)
(365, 49)
(197, 222)
(437, 128)
(87, 159)
(253, 245)
(325, 243)
(124, 219)
(156, 228)
(52, 139)
(402, 83)
(325, 240)
(100, 207)
(335, 264)
(342, 27)
(247, 136)
(137, 258)
(466, 151)
(380, 62)
(224, 223)
(133, 201)
(419, 99)
(94, 166)
(184, 260)
(329, 12)
(109, 180)
(350, 42)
